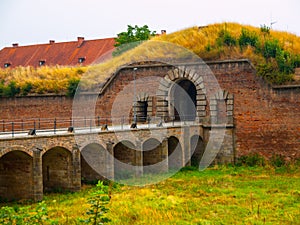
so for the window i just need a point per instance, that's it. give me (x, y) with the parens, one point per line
(141, 111)
(81, 59)
(42, 62)
(6, 65)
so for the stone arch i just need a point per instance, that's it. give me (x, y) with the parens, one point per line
(16, 148)
(124, 160)
(61, 145)
(16, 175)
(164, 97)
(154, 153)
(175, 153)
(221, 107)
(93, 162)
(57, 169)
(197, 149)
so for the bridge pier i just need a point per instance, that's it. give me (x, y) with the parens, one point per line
(110, 161)
(76, 167)
(186, 147)
(138, 158)
(37, 175)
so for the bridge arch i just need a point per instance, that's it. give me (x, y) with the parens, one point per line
(93, 162)
(124, 159)
(175, 153)
(16, 175)
(154, 155)
(16, 148)
(57, 169)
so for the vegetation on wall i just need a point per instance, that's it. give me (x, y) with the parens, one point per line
(274, 54)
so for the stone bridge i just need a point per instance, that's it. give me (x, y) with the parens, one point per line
(31, 165)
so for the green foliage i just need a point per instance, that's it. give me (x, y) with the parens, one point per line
(251, 160)
(131, 38)
(271, 48)
(25, 215)
(72, 87)
(9, 90)
(25, 90)
(265, 29)
(98, 201)
(248, 38)
(225, 38)
(277, 160)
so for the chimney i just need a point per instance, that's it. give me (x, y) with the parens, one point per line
(51, 42)
(80, 41)
(163, 32)
(15, 45)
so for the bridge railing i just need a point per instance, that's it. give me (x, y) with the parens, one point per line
(53, 125)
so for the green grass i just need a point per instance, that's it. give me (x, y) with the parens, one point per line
(219, 195)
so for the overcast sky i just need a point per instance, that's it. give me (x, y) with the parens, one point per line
(37, 21)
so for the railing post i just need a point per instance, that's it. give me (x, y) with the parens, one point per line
(71, 122)
(3, 126)
(122, 122)
(90, 124)
(12, 129)
(84, 121)
(54, 126)
(98, 121)
(148, 119)
(22, 125)
(34, 124)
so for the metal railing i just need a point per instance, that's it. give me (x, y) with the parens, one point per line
(52, 125)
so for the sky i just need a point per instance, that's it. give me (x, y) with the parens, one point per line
(37, 21)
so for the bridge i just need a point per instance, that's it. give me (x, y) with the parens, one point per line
(43, 160)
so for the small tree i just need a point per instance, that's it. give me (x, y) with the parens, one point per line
(131, 38)
(98, 201)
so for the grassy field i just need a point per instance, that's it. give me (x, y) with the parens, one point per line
(219, 195)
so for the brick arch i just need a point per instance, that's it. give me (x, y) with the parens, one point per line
(175, 153)
(16, 148)
(164, 91)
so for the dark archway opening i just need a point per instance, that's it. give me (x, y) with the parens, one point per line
(124, 160)
(174, 154)
(152, 156)
(93, 163)
(197, 150)
(184, 95)
(16, 176)
(57, 170)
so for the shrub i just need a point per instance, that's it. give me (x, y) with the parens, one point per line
(72, 87)
(251, 160)
(277, 160)
(25, 89)
(248, 38)
(225, 38)
(271, 48)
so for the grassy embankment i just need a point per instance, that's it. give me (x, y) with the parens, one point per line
(275, 55)
(218, 195)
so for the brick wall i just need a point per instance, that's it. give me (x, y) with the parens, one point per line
(265, 118)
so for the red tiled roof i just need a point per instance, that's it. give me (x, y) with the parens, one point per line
(63, 53)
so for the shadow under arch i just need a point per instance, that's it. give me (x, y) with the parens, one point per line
(16, 176)
(124, 160)
(57, 169)
(153, 156)
(93, 163)
(175, 159)
(197, 150)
